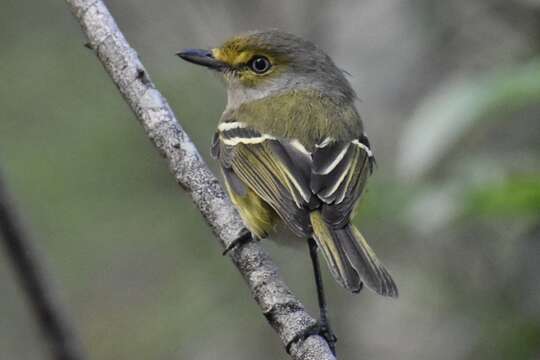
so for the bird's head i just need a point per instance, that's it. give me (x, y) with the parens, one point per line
(264, 63)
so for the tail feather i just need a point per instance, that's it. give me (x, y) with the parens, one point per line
(350, 259)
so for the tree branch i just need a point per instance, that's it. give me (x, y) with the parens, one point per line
(282, 309)
(52, 321)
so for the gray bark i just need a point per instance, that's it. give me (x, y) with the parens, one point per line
(283, 310)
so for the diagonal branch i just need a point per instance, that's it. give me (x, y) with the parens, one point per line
(282, 309)
(54, 325)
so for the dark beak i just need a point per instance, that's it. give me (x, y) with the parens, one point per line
(201, 57)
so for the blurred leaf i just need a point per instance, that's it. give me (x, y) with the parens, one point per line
(517, 196)
(444, 117)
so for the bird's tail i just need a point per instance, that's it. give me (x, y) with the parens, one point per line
(350, 258)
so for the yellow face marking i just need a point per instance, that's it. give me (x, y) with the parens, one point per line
(237, 53)
(220, 55)
(233, 58)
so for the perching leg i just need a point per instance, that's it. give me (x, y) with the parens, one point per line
(325, 329)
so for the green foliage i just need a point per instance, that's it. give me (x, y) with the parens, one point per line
(516, 196)
(446, 115)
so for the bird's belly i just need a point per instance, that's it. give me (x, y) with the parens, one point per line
(257, 215)
(262, 221)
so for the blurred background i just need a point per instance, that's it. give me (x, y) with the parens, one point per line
(450, 94)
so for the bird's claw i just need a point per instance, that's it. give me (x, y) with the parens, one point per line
(244, 237)
(316, 329)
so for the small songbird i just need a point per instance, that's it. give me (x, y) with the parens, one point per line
(293, 150)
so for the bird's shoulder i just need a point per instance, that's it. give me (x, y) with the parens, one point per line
(304, 116)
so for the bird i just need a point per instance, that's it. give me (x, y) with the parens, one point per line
(293, 151)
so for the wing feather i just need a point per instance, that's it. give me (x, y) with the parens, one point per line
(340, 171)
(291, 179)
(264, 165)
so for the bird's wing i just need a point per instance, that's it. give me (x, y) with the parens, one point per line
(339, 173)
(292, 180)
(272, 168)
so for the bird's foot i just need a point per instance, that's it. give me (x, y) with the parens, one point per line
(326, 332)
(317, 329)
(244, 237)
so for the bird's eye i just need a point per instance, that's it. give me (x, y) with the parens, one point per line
(260, 64)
